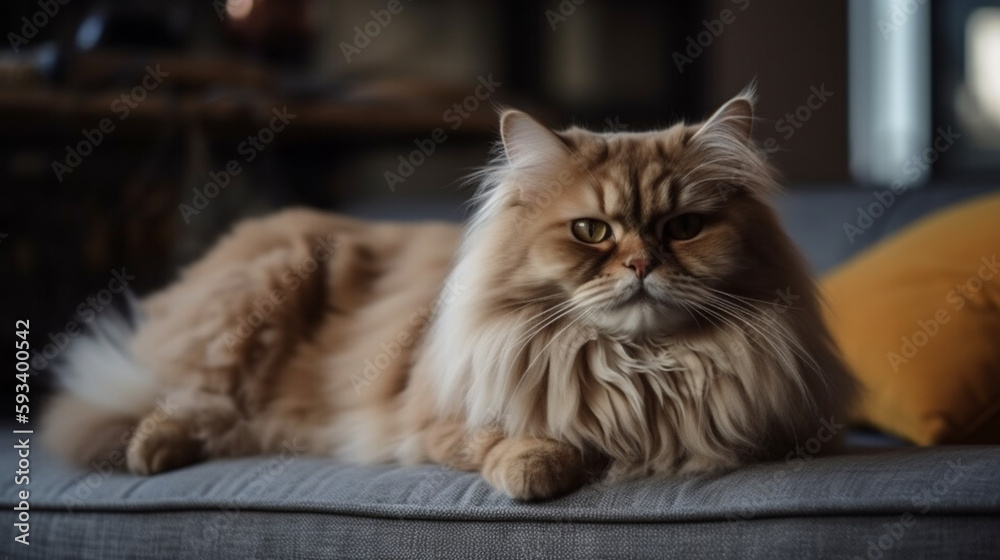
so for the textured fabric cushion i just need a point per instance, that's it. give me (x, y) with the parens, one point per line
(911, 501)
(918, 319)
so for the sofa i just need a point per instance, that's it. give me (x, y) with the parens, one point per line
(884, 499)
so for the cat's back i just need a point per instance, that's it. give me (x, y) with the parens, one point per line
(314, 233)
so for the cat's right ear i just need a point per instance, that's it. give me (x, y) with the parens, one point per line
(528, 143)
(734, 120)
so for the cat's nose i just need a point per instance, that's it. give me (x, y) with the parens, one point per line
(640, 265)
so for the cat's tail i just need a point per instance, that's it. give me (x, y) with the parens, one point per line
(104, 394)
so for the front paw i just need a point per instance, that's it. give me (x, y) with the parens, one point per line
(168, 445)
(529, 469)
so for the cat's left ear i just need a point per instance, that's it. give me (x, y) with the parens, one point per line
(528, 143)
(733, 120)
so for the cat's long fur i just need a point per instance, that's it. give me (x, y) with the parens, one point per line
(535, 358)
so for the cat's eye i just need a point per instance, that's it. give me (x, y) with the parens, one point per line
(683, 227)
(590, 231)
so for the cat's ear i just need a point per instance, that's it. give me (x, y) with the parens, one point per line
(528, 143)
(734, 120)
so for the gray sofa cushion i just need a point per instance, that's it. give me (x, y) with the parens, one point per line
(304, 507)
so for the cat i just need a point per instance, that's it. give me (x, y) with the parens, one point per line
(620, 305)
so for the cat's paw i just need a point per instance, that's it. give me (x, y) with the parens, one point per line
(166, 446)
(529, 469)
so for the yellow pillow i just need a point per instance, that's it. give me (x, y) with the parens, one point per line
(918, 319)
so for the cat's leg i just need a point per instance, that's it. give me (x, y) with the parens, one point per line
(168, 446)
(187, 428)
(219, 343)
(535, 469)
(525, 468)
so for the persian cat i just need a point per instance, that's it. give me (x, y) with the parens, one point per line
(620, 305)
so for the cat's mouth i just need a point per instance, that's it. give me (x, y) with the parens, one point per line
(637, 294)
(641, 310)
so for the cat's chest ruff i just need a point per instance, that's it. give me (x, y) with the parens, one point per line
(667, 357)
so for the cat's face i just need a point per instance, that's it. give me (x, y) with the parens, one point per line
(635, 234)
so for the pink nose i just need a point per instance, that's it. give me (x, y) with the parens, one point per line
(641, 267)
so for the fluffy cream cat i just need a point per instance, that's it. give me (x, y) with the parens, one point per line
(621, 305)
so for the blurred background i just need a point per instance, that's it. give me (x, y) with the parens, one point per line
(133, 133)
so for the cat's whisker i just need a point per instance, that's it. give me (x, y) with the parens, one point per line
(516, 305)
(775, 303)
(687, 307)
(527, 370)
(579, 303)
(765, 338)
(542, 313)
(562, 310)
(778, 329)
(544, 323)
(775, 350)
(719, 297)
(755, 321)
(573, 301)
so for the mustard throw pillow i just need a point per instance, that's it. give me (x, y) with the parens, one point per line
(918, 319)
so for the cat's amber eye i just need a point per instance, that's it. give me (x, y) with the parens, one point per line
(683, 227)
(590, 231)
